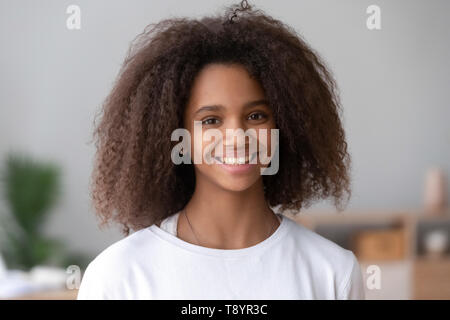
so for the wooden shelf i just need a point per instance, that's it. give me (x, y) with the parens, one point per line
(429, 277)
(50, 295)
(432, 278)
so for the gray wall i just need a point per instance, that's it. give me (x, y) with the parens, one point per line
(394, 85)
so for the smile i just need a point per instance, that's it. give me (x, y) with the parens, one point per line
(236, 160)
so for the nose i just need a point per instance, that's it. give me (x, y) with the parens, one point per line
(236, 138)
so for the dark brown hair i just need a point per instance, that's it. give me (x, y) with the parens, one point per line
(134, 181)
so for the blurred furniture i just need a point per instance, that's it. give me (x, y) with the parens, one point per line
(52, 295)
(395, 242)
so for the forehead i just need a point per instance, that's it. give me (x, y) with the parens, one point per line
(229, 85)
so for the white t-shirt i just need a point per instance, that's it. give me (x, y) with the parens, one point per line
(292, 263)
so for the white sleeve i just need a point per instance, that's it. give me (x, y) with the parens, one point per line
(353, 286)
(92, 284)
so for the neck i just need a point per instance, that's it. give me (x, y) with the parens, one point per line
(227, 219)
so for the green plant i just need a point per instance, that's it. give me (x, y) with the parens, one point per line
(30, 190)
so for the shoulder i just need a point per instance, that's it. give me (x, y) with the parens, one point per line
(329, 261)
(123, 250)
(317, 246)
(106, 274)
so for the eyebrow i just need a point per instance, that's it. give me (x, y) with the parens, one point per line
(217, 107)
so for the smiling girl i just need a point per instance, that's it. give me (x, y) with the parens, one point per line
(217, 230)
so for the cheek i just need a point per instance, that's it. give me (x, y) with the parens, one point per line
(200, 148)
(197, 147)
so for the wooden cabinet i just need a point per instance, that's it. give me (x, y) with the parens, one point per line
(393, 240)
(50, 295)
(432, 278)
(386, 244)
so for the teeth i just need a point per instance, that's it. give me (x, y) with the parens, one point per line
(236, 161)
(232, 160)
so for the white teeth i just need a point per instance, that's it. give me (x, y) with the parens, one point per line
(235, 161)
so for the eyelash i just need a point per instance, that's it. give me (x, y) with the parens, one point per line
(203, 121)
(262, 114)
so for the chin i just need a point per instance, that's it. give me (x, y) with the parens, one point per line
(236, 183)
(234, 186)
(233, 182)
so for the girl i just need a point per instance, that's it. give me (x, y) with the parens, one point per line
(209, 230)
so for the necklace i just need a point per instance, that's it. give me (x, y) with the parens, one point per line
(198, 242)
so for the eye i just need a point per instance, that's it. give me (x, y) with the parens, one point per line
(209, 121)
(257, 116)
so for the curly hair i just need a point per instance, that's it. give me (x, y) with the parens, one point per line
(134, 182)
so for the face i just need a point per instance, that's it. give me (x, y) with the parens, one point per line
(226, 97)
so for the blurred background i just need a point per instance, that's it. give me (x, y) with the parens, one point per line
(394, 84)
